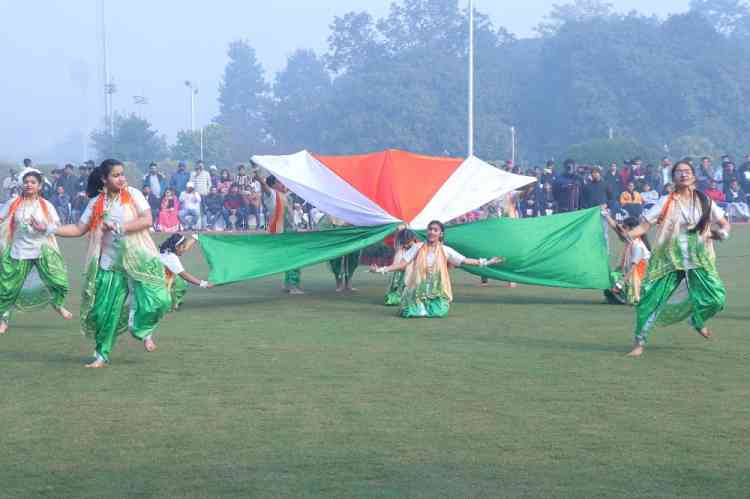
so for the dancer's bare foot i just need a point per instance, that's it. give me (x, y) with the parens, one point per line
(3, 327)
(97, 364)
(511, 285)
(64, 313)
(705, 332)
(637, 351)
(296, 291)
(339, 286)
(149, 344)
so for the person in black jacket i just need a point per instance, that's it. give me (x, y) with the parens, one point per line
(596, 192)
(567, 188)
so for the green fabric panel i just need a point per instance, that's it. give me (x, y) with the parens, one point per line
(566, 250)
(234, 258)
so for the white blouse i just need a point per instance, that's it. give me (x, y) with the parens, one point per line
(454, 257)
(172, 262)
(27, 241)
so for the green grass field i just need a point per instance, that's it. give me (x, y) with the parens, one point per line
(518, 393)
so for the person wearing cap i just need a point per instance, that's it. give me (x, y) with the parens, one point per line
(155, 181)
(190, 207)
(214, 172)
(180, 178)
(201, 179)
(28, 244)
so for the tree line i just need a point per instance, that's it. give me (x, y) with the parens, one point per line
(592, 82)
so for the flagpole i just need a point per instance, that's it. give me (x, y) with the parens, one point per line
(471, 78)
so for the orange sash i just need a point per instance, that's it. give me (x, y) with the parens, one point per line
(277, 219)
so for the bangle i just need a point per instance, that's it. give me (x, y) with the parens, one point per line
(203, 284)
(482, 262)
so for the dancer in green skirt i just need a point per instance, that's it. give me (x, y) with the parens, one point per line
(427, 290)
(404, 241)
(177, 277)
(281, 219)
(121, 257)
(32, 270)
(343, 267)
(681, 281)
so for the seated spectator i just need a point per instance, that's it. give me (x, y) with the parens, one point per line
(169, 212)
(631, 200)
(61, 202)
(649, 195)
(78, 206)
(190, 207)
(153, 202)
(234, 213)
(214, 205)
(737, 202)
(714, 193)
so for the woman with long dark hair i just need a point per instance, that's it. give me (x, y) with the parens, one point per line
(681, 281)
(628, 277)
(178, 278)
(121, 256)
(427, 289)
(28, 249)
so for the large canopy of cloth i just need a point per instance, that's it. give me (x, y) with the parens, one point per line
(392, 186)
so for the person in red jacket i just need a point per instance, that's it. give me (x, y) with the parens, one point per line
(714, 193)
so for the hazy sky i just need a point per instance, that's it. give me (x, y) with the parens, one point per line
(50, 58)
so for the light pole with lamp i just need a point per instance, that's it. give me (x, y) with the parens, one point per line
(193, 93)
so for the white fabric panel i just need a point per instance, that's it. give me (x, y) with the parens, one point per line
(472, 185)
(313, 181)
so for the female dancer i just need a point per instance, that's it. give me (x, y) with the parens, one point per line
(177, 277)
(27, 245)
(121, 256)
(427, 291)
(404, 241)
(681, 281)
(343, 267)
(628, 277)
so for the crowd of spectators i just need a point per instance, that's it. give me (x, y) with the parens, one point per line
(234, 200)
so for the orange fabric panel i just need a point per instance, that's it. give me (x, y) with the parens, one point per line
(401, 183)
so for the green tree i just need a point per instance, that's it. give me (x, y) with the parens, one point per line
(724, 15)
(603, 151)
(244, 101)
(216, 145)
(133, 140)
(578, 11)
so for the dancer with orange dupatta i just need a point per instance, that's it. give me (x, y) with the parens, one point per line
(629, 275)
(427, 291)
(32, 269)
(121, 257)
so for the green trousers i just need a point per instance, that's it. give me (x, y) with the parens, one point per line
(13, 274)
(343, 268)
(396, 289)
(292, 279)
(435, 308)
(697, 294)
(111, 310)
(178, 292)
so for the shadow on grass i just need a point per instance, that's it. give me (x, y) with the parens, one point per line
(508, 299)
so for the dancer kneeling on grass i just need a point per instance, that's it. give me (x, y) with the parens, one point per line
(681, 281)
(177, 277)
(28, 246)
(629, 275)
(121, 256)
(404, 241)
(427, 289)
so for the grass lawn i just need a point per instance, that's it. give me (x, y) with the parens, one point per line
(518, 393)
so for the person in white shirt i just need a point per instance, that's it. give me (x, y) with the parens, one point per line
(121, 258)
(32, 269)
(10, 185)
(428, 291)
(201, 179)
(190, 207)
(177, 277)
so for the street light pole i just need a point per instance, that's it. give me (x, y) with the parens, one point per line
(193, 92)
(471, 78)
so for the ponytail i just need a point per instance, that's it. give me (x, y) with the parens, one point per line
(96, 178)
(705, 203)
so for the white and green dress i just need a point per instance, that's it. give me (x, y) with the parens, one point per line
(427, 285)
(32, 269)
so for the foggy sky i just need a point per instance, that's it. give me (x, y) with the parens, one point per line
(49, 54)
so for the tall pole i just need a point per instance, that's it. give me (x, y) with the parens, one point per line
(105, 66)
(513, 145)
(471, 78)
(201, 143)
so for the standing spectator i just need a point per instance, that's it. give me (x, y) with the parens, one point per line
(243, 179)
(213, 171)
(549, 203)
(201, 180)
(169, 210)
(225, 181)
(27, 163)
(705, 173)
(83, 178)
(78, 205)
(665, 174)
(567, 188)
(596, 192)
(214, 205)
(48, 187)
(744, 175)
(61, 201)
(631, 201)
(179, 179)
(155, 181)
(233, 208)
(637, 173)
(190, 207)
(68, 180)
(730, 175)
(10, 184)
(531, 201)
(625, 174)
(612, 179)
(548, 174)
(154, 202)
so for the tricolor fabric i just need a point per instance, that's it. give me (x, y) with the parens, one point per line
(392, 186)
